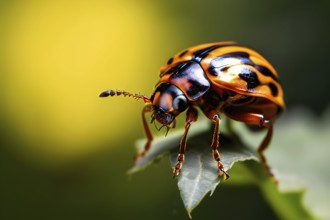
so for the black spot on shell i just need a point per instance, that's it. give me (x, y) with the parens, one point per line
(273, 89)
(266, 72)
(183, 53)
(250, 78)
(238, 54)
(214, 71)
(170, 61)
(200, 54)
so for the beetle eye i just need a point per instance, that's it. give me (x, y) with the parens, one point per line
(180, 103)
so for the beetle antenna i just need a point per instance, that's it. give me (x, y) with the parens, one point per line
(110, 92)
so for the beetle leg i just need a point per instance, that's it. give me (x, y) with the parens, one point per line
(139, 155)
(215, 146)
(214, 116)
(264, 144)
(259, 120)
(191, 117)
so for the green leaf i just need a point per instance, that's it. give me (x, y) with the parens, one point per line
(299, 156)
(199, 174)
(287, 205)
(301, 159)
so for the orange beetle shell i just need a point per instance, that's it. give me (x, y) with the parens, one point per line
(224, 64)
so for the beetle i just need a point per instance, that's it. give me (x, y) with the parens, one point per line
(219, 78)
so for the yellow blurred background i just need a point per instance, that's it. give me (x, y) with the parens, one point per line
(64, 151)
(58, 56)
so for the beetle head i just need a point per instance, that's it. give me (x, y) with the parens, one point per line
(168, 101)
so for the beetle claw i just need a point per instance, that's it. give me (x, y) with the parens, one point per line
(222, 172)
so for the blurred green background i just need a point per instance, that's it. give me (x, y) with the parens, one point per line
(65, 152)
